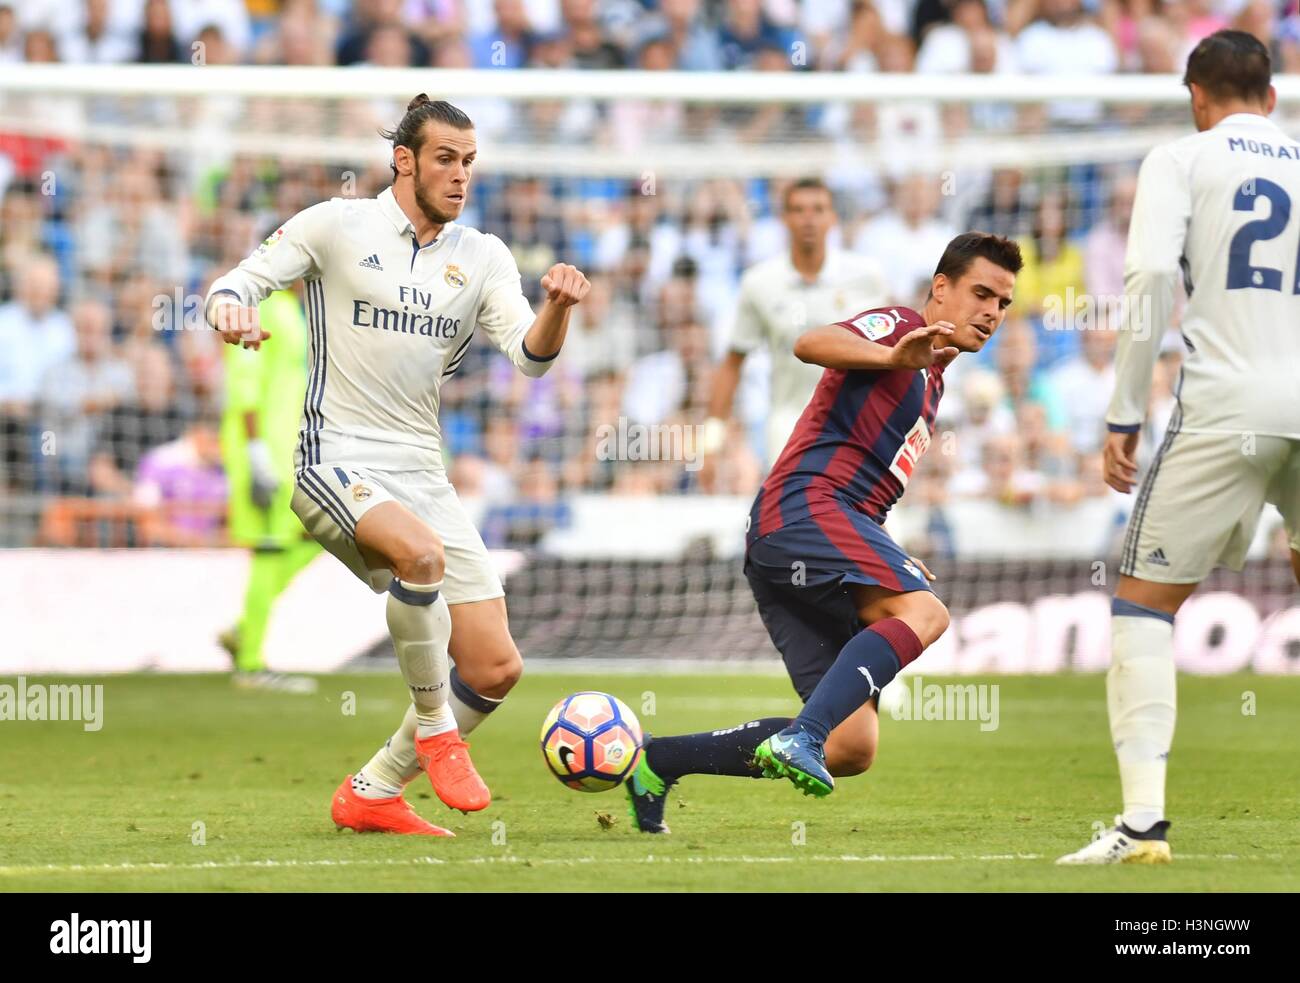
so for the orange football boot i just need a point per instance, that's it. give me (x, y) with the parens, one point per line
(445, 759)
(392, 815)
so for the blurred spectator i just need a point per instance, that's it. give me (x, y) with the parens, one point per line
(669, 382)
(520, 523)
(157, 42)
(11, 35)
(121, 231)
(908, 239)
(183, 481)
(1064, 40)
(40, 46)
(155, 415)
(1051, 286)
(35, 335)
(229, 17)
(588, 45)
(211, 47)
(746, 30)
(1004, 210)
(435, 21)
(985, 415)
(1002, 475)
(508, 44)
(602, 332)
(1048, 453)
(301, 35)
(1017, 358)
(1103, 250)
(371, 16)
(1080, 389)
(696, 47)
(77, 393)
(950, 48)
(95, 37)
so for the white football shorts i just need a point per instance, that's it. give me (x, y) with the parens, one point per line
(1200, 504)
(329, 499)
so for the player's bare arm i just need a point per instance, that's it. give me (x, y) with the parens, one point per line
(834, 348)
(565, 287)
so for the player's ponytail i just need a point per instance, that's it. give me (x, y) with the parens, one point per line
(420, 110)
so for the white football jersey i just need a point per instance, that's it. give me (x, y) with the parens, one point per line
(777, 305)
(1222, 209)
(390, 319)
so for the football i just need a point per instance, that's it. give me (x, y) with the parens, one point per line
(591, 741)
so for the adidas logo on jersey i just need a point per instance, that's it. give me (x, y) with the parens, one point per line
(371, 262)
(1157, 556)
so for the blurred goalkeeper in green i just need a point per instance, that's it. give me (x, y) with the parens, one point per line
(263, 407)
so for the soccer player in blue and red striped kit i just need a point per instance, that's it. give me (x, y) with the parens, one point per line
(844, 605)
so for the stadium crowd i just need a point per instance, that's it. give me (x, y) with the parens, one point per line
(110, 388)
(1031, 36)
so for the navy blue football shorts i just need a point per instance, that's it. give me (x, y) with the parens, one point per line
(800, 575)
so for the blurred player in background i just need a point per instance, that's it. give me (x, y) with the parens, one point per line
(264, 392)
(844, 605)
(395, 291)
(1217, 209)
(780, 298)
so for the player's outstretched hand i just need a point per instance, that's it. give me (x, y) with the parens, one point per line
(239, 326)
(565, 285)
(1119, 461)
(915, 350)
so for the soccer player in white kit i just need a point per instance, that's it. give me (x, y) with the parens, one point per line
(395, 291)
(780, 299)
(1217, 208)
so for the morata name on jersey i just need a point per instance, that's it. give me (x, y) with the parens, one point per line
(405, 321)
(1264, 149)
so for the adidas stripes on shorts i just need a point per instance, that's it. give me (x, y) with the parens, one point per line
(1200, 503)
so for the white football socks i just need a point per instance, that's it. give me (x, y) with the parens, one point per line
(420, 623)
(1140, 695)
(421, 629)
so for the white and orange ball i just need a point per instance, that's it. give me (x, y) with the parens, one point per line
(591, 741)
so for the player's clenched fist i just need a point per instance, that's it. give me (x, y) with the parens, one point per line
(239, 325)
(565, 285)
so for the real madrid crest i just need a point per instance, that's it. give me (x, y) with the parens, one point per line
(454, 277)
(360, 493)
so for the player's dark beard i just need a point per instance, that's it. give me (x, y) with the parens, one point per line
(431, 212)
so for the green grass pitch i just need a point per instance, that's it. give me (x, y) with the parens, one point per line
(946, 807)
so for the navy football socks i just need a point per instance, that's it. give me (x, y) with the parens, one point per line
(871, 659)
(719, 752)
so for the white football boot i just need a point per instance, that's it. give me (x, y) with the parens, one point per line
(1122, 845)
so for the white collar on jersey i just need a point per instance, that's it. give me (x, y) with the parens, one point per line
(1245, 119)
(389, 206)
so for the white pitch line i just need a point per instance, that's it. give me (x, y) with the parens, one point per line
(517, 861)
